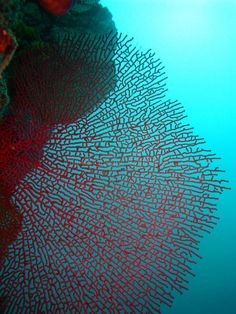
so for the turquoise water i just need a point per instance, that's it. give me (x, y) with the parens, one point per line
(197, 45)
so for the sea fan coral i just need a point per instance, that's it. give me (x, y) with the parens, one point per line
(113, 214)
(10, 221)
(21, 149)
(68, 79)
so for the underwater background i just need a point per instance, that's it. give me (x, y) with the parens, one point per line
(195, 40)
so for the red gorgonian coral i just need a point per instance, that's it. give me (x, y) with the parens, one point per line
(114, 210)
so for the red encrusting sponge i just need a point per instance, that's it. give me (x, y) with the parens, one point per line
(56, 7)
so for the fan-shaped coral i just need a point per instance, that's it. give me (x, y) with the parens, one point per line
(113, 214)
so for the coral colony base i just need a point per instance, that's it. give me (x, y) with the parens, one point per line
(112, 188)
